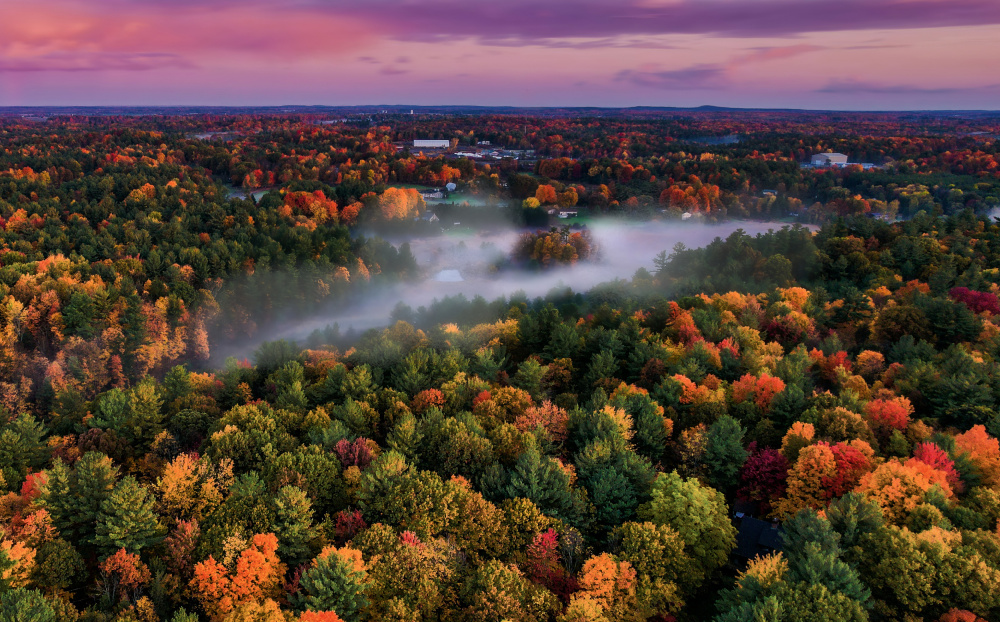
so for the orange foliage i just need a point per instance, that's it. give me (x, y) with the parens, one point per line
(127, 569)
(257, 575)
(886, 415)
(400, 203)
(896, 488)
(314, 205)
(960, 615)
(553, 419)
(606, 581)
(349, 214)
(546, 194)
(762, 390)
(425, 400)
(815, 466)
(984, 452)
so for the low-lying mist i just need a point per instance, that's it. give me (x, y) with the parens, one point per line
(453, 264)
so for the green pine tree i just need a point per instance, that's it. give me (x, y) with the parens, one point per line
(293, 517)
(73, 496)
(333, 585)
(21, 605)
(725, 454)
(127, 519)
(405, 438)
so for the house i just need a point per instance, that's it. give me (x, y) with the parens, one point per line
(568, 214)
(756, 537)
(432, 144)
(829, 159)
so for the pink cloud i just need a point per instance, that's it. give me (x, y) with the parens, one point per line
(556, 20)
(77, 36)
(98, 61)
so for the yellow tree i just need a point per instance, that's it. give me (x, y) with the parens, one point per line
(815, 464)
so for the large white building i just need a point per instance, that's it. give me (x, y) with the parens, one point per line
(432, 144)
(829, 159)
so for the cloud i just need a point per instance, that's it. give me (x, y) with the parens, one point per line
(858, 87)
(696, 77)
(94, 62)
(553, 21)
(710, 75)
(71, 35)
(765, 54)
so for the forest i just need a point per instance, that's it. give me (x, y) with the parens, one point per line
(797, 425)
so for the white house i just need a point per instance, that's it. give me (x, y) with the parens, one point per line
(829, 159)
(432, 144)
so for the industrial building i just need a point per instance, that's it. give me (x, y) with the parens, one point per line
(432, 144)
(829, 159)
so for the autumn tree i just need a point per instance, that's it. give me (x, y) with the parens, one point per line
(700, 516)
(335, 582)
(254, 575)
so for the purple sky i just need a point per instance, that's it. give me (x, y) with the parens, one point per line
(830, 54)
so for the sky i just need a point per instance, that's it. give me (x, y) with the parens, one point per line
(816, 54)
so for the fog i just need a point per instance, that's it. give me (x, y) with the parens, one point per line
(453, 264)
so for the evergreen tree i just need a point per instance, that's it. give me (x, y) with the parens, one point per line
(127, 519)
(293, 517)
(724, 454)
(335, 584)
(74, 496)
(543, 481)
(145, 417)
(21, 605)
(21, 449)
(405, 438)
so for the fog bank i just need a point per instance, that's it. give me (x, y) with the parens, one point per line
(453, 264)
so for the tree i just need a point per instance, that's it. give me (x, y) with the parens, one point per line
(546, 194)
(58, 565)
(74, 496)
(21, 448)
(190, 488)
(122, 576)
(815, 465)
(700, 516)
(256, 575)
(725, 454)
(335, 582)
(21, 605)
(657, 555)
(610, 585)
(814, 557)
(896, 488)
(127, 519)
(884, 416)
(543, 481)
(293, 516)
(983, 451)
(495, 592)
(763, 477)
(408, 578)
